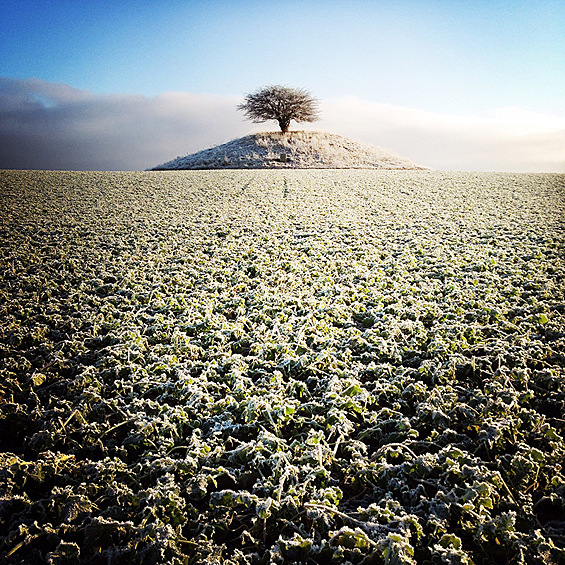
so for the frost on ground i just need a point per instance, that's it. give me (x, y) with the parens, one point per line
(282, 367)
(293, 150)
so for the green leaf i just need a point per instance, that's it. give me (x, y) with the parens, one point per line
(542, 318)
(450, 541)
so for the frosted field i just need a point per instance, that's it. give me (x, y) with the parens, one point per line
(282, 367)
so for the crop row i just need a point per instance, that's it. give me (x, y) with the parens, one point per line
(282, 367)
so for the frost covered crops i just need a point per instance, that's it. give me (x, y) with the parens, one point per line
(282, 367)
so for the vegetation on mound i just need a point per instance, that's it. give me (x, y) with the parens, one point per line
(293, 150)
(282, 367)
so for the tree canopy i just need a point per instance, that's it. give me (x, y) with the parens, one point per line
(282, 104)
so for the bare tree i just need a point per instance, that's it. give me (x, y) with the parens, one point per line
(282, 104)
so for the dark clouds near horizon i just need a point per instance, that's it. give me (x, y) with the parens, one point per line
(47, 125)
(55, 126)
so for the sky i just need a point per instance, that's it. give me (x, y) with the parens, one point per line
(126, 85)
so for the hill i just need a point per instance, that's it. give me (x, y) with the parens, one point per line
(294, 150)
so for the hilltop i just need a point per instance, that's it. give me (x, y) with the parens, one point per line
(294, 150)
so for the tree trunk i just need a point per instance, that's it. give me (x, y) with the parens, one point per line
(284, 124)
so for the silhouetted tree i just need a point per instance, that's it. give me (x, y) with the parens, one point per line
(282, 104)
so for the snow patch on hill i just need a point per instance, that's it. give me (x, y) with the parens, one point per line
(295, 150)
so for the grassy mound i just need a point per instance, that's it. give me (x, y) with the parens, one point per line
(294, 150)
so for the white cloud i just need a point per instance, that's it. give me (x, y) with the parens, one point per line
(48, 125)
(508, 139)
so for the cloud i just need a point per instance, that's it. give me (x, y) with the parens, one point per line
(55, 126)
(508, 139)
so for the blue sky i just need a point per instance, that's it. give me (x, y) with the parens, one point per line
(471, 60)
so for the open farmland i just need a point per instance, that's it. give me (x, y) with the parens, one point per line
(282, 367)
